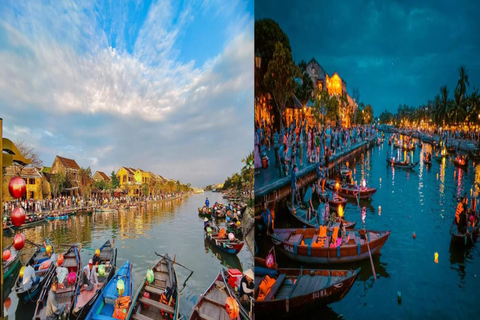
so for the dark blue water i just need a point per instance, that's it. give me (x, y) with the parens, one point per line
(411, 201)
(172, 227)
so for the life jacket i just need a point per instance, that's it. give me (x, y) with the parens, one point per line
(264, 287)
(121, 307)
(333, 242)
(222, 233)
(458, 212)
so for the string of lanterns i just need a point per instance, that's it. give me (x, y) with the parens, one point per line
(17, 188)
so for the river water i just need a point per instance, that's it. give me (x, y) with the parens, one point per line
(172, 227)
(423, 202)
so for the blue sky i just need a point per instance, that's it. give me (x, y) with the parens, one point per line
(395, 52)
(165, 86)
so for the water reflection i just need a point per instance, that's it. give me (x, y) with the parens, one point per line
(227, 260)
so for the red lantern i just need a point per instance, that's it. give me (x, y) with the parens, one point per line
(19, 241)
(18, 216)
(17, 187)
(6, 255)
(7, 303)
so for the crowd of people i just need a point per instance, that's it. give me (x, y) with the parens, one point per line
(302, 143)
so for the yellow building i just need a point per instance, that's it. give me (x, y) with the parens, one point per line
(126, 177)
(142, 176)
(32, 177)
(336, 86)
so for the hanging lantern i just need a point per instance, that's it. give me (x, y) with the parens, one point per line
(19, 241)
(18, 216)
(6, 255)
(7, 303)
(17, 187)
(340, 211)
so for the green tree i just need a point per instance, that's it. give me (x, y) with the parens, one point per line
(145, 190)
(305, 88)
(368, 114)
(114, 180)
(280, 78)
(58, 183)
(325, 107)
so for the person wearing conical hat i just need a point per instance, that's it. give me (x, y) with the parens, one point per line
(246, 287)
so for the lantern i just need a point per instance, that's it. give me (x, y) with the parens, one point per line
(17, 187)
(436, 257)
(337, 186)
(19, 241)
(6, 255)
(364, 183)
(7, 303)
(60, 259)
(22, 270)
(340, 211)
(379, 210)
(18, 216)
(269, 260)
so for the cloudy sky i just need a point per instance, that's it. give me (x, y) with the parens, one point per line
(395, 52)
(158, 85)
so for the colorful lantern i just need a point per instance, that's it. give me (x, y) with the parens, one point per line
(17, 187)
(6, 255)
(18, 216)
(60, 259)
(19, 241)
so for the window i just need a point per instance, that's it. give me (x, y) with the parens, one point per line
(124, 178)
(31, 181)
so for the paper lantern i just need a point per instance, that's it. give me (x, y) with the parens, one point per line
(6, 255)
(17, 187)
(60, 259)
(19, 241)
(18, 216)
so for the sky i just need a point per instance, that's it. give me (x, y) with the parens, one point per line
(394, 52)
(165, 86)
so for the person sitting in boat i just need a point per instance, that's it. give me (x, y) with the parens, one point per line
(462, 222)
(247, 286)
(321, 212)
(207, 203)
(96, 257)
(266, 223)
(29, 278)
(53, 308)
(89, 277)
(307, 200)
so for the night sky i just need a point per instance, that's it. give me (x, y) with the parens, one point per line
(395, 52)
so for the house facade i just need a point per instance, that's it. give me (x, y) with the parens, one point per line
(33, 180)
(71, 171)
(101, 176)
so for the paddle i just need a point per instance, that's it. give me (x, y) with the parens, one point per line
(366, 236)
(173, 261)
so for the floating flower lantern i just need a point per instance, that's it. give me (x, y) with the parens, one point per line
(436, 257)
(340, 211)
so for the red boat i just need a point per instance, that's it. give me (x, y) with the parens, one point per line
(350, 190)
(223, 243)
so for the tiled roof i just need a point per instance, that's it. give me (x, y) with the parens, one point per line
(69, 163)
(103, 175)
(24, 172)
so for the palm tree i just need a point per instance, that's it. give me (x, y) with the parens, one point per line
(462, 83)
(443, 104)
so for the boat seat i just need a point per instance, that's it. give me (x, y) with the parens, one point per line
(139, 316)
(154, 290)
(275, 287)
(204, 316)
(350, 238)
(157, 305)
(101, 317)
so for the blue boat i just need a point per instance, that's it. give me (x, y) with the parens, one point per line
(104, 306)
(63, 216)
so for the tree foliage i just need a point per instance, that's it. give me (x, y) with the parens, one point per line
(114, 180)
(29, 152)
(58, 183)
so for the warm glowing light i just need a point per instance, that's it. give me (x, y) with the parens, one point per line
(337, 186)
(364, 183)
(436, 257)
(379, 210)
(340, 211)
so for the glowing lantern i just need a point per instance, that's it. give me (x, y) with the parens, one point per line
(436, 257)
(6, 255)
(414, 236)
(232, 308)
(48, 249)
(18, 216)
(19, 241)
(364, 183)
(269, 260)
(17, 187)
(340, 211)
(337, 185)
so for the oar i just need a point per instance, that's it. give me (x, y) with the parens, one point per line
(32, 243)
(366, 236)
(173, 261)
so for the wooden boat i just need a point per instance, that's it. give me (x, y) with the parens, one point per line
(205, 212)
(84, 300)
(103, 308)
(460, 239)
(345, 172)
(245, 313)
(451, 149)
(301, 215)
(298, 290)
(402, 165)
(12, 263)
(333, 201)
(55, 216)
(224, 244)
(72, 262)
(211, 304)
(396, 144)
(350, 190)
(303, 245)
(474, 155)
(37, 258)
(220, 213)
(147, 303)
(408, 147)
(462, 164)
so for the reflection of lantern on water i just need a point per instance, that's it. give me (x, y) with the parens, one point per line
(364, 183)
(437, 176)
(436, 257)
(380, 180)
(379, 210)
(340, 211)
(414, 236)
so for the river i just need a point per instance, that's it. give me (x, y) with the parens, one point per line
(423, 202)
(172, 227)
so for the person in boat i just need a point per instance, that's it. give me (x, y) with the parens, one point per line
(206, 224)
(89, 276)
(53, 308)
(29, 278)
(462, 222)
(265, 218)
(321, 211)
(96, 257)
(207, 203)
(247, 286)
(307, 200)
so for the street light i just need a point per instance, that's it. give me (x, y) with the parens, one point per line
(258, 60)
